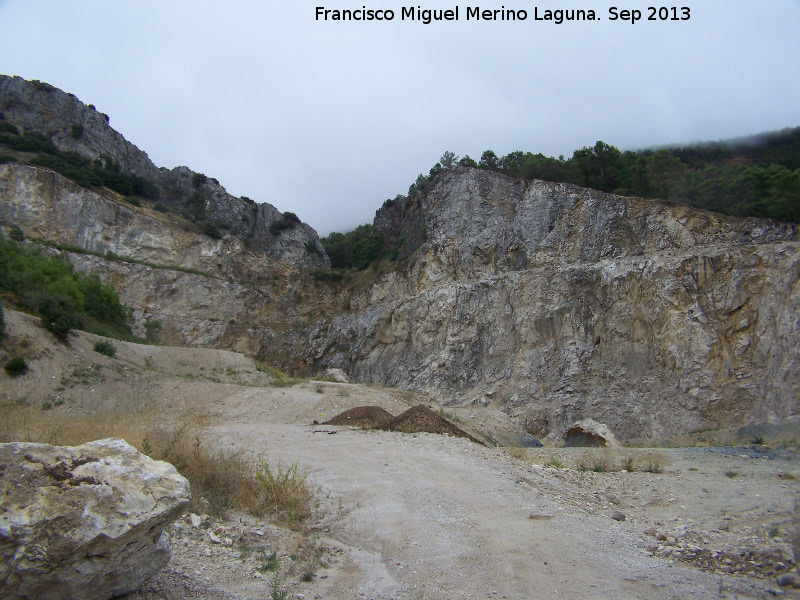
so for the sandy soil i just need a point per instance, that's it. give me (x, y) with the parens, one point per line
(419, 516)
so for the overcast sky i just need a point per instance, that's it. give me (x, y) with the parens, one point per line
(329, 119)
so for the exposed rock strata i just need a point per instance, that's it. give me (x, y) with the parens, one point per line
(36, 107)
(560, 303)
(205, 292)
(84, 522)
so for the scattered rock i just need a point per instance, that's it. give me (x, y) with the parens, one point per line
(618, 516)
(590, 433)
(194, 520)
(86, 521)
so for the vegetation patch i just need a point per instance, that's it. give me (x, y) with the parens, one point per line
(106, 348)
(15, 366)
(287, 221)
(105, 172)
(64, 299)
(327, 276)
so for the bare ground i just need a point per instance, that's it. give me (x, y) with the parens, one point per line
(418, 516)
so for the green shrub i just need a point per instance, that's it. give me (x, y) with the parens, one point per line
(49, 287)
(76, 131)
(323, 275)
(358, 248)
(211, 230)
(59, 316)
(8, 128)
(287, 221)
(366, 251)
(554, 461)
(198, 179)
(152, 330)
(106, 348)
(78, 168)
(16, 366)
(2, 323)
(15, 233)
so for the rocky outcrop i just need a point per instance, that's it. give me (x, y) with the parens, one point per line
(83, 522)
(34, 107)
(38, 107)
(551, 301)
(559, 303)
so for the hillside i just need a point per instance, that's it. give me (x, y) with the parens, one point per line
(43, 126)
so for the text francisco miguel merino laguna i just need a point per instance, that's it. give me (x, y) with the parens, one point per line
(426, 16)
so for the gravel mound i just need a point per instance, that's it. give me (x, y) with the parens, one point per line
(366, 417)
(421, 419)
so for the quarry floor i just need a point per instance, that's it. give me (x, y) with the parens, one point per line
(424, 516)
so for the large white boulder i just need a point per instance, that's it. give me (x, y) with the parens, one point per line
(85, 521)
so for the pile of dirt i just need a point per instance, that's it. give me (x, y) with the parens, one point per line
(366, 417)
(419, 419)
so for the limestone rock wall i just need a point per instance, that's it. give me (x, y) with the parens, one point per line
(560, 303)
(39, 108)
(240, 298)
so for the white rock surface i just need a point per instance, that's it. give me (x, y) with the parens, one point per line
(85, 521)
(336, 375)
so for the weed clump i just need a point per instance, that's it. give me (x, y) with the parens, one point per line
(227, 480)
(654, 462)
(554, 461)
(105, 348)
(16, 366)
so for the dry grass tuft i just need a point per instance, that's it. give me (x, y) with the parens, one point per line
(285, 492)
(220, 481)
(599, 462)
(654, 462)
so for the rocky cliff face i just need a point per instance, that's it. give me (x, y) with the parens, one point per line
(204, 292)
(553, 302)
(560, 303)
(39, 108)
(35, 106)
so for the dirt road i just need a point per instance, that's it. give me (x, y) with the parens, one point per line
(426, 516)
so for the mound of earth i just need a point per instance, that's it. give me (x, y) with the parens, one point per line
(366, 417)
(421, 419)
